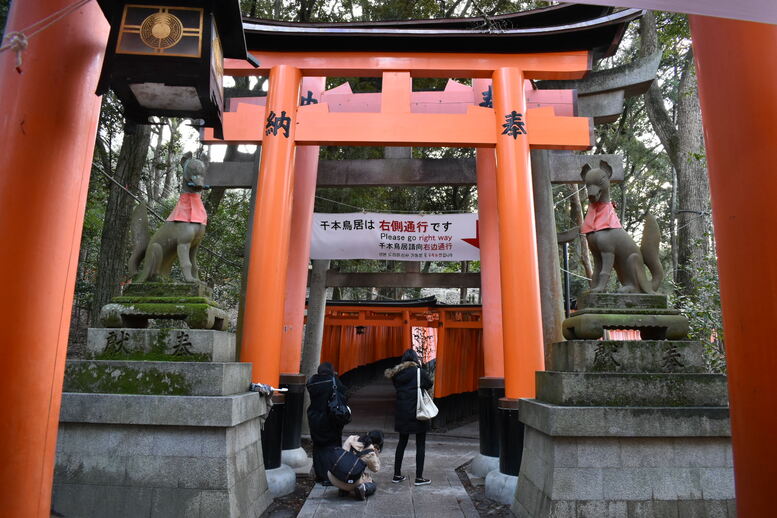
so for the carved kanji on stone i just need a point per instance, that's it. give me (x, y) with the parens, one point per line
(182, 345)
(671, 358)
(604, 360)
(116, 342)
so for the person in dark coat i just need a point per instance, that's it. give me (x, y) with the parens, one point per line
(324, 431)
(405, 379)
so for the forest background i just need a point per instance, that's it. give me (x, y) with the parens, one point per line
(659, 135)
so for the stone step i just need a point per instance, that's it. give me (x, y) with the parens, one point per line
(195, 344)
(158, 378)
(611, 421)
(631, 389)
(655, 356)
(140, 409)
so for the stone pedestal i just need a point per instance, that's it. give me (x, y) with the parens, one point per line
(490, 389)
(649, 314)
(192, 448)
(199, 344)
(190, 302)
(292, 454)
(626, 429)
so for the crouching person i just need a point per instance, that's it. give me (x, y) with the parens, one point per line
(352, 464)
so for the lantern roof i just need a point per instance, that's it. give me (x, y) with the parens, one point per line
(559, 28)
(226, 12)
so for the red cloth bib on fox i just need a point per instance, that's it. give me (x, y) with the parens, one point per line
(600, 215)
(189, 209)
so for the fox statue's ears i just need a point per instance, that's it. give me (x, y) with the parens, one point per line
(185, 158)
(585, 170)
(604, 166)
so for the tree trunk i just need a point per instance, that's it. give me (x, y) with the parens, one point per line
(314, 329)
(684, 143)
(463, 291)
(113, 244)
(154, 174)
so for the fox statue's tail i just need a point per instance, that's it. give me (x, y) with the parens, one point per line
(140, 237)
(651, 236)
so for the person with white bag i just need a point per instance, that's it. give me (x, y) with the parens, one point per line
(410, 380)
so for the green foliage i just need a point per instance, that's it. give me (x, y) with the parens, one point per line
(371, 10)
(702, 307)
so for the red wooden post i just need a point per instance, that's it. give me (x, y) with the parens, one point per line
(266, 283)
(48, 134)
(522, 320)
(305, 171)
(488, 218)
(737, 72)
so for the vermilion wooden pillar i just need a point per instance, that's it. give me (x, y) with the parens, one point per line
(305, 172)
(490, 286)
(266, 282)
(488, 228)
(737, 72)
(521, 315)
(48, 135)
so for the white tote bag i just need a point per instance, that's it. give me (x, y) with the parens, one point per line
(425, 408)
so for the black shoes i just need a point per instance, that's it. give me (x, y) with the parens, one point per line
(419, 481)
(360, 492)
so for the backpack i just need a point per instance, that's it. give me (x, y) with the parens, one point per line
(337, 407)
(348, 465)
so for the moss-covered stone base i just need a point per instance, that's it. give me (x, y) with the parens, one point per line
(110, 378)
(649, 313)
(164, 300)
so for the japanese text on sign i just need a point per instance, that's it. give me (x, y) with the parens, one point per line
(398, 237)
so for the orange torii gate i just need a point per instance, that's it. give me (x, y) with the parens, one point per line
(509, 127)
(42, 197)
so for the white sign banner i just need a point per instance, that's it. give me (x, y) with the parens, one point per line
(398, 237)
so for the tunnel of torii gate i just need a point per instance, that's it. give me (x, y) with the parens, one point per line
(42, 199)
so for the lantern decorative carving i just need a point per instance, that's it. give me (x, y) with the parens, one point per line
(168, 60)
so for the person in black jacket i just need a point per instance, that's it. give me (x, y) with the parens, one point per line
(324, 431)
(405, 379)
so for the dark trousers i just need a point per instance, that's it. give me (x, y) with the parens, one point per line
(321, 461)
(420, 453)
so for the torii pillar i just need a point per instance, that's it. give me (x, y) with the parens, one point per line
(305, 173)
(267, 264)
(522, 330)
(491, 387)
(733, 57)
(48, 135)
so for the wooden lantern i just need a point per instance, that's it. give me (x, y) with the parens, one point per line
(168, 59)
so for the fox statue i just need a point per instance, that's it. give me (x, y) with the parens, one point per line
(611, 246)
(179, 236)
